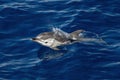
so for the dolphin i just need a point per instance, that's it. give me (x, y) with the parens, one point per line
(57, 37)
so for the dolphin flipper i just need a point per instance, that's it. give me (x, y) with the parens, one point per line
(55, 48)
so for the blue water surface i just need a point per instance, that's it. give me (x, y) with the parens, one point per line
(22, 59)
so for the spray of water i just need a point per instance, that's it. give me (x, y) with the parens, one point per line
(60, 32)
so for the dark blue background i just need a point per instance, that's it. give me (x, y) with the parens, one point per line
(22, 59)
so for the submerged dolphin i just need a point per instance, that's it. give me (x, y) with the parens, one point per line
(58, 37)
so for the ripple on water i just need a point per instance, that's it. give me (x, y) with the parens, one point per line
(22, 58)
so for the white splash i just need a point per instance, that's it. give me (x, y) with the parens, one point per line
(58, 31)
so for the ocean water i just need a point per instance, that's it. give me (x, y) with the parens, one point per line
(23, 59)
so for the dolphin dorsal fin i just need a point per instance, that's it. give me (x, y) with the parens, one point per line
(76, 34)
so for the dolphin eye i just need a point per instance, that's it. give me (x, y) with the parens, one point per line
(46, 42)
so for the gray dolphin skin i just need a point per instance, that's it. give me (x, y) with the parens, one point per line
(57, 38)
